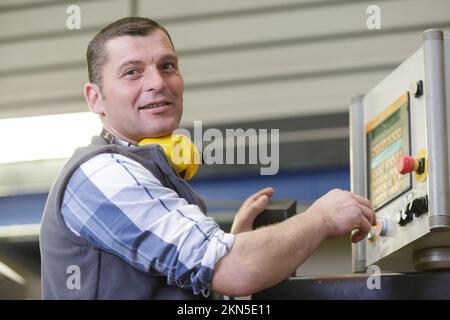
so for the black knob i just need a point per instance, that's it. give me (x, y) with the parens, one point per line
(419, 206)
(405, 216)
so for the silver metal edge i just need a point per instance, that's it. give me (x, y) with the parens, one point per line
(357, 172)
(436, 120)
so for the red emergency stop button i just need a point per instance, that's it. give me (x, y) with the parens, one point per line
(407, 164)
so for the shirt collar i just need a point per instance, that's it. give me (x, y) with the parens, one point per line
(110, 139)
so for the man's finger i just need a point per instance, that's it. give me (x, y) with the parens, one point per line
(266, 191)
(258, 206)
(358, 236)
(362, 200)
(363, 230)
(369, 214)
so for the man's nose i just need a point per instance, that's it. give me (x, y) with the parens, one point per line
(153, 80)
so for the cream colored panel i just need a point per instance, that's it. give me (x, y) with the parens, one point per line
(301, 58)
(69, 49)
(40, 86)
(46, 52)
(28, 109)
(313, 22)
(177, 8)
(15, 3)
(53, 18)
(276, 99)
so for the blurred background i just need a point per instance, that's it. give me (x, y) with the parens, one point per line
(291, 65)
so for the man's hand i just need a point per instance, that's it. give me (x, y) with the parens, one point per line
(342, 211)
(264, 257)
(250, 209)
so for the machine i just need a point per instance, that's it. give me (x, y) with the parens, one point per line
(399, 158)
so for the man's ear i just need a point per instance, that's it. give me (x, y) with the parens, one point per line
(93, 96)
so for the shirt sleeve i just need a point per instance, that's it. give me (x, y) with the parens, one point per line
(120, 207)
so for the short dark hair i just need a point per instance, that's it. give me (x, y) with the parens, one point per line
(131, 26)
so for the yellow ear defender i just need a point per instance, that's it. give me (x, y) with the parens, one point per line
(181, 151)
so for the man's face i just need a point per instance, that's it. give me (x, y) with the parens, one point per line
(142, 88)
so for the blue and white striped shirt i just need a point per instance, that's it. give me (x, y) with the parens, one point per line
(120, 207)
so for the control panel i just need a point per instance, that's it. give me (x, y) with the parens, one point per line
(400, 160)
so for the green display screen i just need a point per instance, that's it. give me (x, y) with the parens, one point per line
(387, 124)
(386, 142)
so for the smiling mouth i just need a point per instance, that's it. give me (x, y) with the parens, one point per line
(154, 105)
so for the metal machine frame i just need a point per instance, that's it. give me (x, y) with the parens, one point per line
(419, 239)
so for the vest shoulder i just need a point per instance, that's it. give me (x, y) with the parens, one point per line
(103, 160)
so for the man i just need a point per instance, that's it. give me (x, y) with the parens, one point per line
(119, 223)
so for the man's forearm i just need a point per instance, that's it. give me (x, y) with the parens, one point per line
(262, 258)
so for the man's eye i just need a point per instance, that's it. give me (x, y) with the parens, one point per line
(168, 66)
(131, 72)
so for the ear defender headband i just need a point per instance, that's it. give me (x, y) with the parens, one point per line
(181, 151)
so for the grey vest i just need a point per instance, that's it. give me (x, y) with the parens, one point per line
(103, 275)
